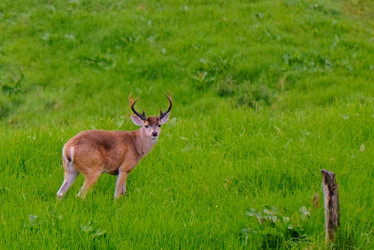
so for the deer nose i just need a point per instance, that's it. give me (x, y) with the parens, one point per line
(154, 133)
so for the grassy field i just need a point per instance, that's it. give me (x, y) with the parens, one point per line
(266, 94)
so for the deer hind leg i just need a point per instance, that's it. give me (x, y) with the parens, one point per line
(89, 180)
(70, 175)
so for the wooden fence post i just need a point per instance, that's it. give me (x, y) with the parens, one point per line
(331, 200)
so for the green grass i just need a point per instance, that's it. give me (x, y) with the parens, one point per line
(266, 94)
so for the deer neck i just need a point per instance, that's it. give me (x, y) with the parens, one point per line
(144, 143)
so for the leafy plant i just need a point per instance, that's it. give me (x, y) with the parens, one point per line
(93, 229)
(276, 227)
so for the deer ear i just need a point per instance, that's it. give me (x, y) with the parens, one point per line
(137, 120)
(164, 119)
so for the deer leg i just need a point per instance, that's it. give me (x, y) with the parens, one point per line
(70, 175)
(89, 180)
(120, 184)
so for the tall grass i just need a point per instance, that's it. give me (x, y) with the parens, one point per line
(266, 94)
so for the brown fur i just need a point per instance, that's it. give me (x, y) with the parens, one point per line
(115, 152)
(93, 152)
(103, 151)
(152, 120)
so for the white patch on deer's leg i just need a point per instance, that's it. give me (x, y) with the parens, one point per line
(116, 194)
(70, 175)
(115, 191)
(120, 184)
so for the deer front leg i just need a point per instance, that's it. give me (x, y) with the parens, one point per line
(120, 184)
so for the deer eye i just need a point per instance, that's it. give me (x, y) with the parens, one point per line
(146, 126)
(159, 125)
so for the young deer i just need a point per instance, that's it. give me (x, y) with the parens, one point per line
(114, 152)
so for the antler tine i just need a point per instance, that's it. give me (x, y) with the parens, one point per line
(162, 114)
(132, 104)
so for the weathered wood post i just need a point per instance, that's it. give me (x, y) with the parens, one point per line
(331, 198)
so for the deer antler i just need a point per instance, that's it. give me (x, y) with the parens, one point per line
(132, 104)
(162, 114)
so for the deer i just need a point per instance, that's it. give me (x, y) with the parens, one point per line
(93, 152)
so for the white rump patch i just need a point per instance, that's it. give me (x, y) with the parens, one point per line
(63, 155)
(72, 154)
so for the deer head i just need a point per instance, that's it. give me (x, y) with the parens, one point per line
(150, 126)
